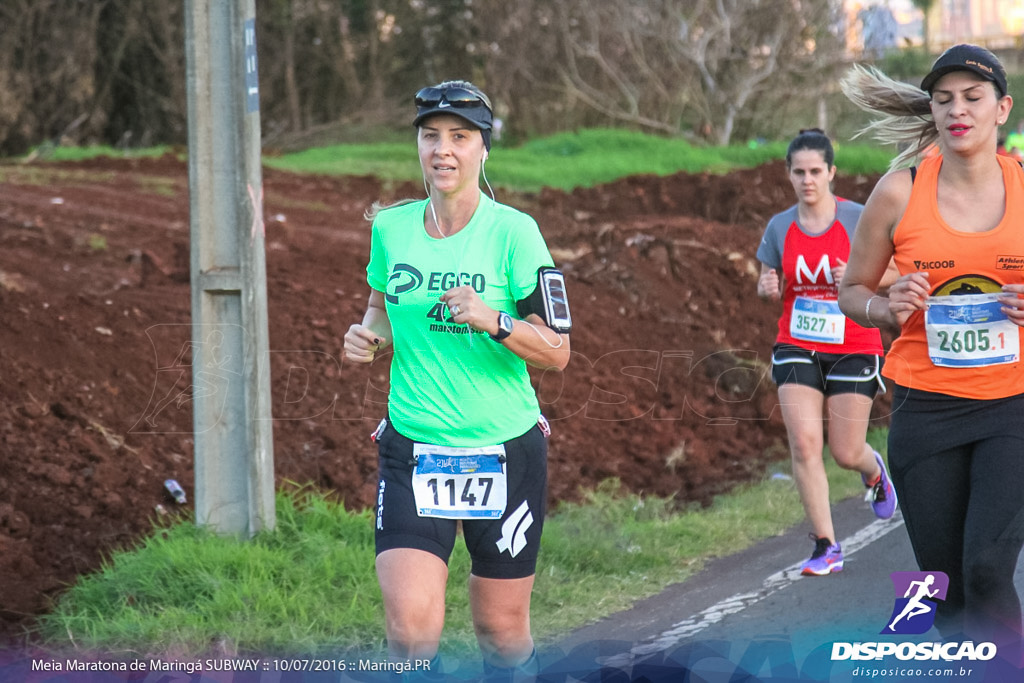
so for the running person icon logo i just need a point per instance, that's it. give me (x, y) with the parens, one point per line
(914, 609)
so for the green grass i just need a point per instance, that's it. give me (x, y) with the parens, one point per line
(309, 586)
(65, 153)
(564, 161)
(569, 160)
(42, 174)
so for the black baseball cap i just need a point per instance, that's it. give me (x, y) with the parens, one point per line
(966, 57)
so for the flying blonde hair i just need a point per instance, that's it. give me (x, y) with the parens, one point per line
(378, 206)
(907, 121)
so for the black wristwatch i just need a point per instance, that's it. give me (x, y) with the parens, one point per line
(505, 326)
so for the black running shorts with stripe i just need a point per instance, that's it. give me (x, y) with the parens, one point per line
(504, 548)
(829, 373)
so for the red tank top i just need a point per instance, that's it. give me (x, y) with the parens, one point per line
(811, 318)
(960, 350)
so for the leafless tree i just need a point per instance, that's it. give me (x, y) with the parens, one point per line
(671, 65)
(113, 70)
(47, 55)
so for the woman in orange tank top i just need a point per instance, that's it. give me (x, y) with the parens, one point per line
(953, 227)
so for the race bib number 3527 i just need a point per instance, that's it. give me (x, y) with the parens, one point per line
(459, 483)
(817, 320)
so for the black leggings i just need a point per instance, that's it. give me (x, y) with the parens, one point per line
(958, 467)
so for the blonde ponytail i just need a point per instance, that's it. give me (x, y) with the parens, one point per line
(379, 206)
(907, 121)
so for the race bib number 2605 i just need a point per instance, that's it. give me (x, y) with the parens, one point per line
(969, 331)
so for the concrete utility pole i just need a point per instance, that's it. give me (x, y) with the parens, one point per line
(234, 454)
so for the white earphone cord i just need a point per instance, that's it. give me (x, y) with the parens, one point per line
(561, 339)
(437, 224)
(483, 172)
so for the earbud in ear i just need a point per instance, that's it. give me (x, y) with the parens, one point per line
(486, 154)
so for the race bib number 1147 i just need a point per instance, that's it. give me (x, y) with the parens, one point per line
(459, 483)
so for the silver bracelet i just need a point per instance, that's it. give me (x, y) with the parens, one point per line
(867, 310)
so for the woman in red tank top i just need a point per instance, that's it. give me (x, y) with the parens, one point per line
(827, 368)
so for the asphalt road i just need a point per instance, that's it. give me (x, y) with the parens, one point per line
(752, 617)
(745, 618)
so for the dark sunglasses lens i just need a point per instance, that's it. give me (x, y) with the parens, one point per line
(428, 97)
(457, 97)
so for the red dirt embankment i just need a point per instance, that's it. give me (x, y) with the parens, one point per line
(666, 389)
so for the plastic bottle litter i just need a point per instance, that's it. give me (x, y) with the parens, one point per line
(175, 491)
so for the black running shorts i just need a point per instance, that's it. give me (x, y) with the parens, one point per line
(504, 548)
(829, 373)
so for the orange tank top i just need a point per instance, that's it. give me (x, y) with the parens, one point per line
(969, 351)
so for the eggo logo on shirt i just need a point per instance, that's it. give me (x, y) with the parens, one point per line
(442, 282)
(804, 274)
(406, 278)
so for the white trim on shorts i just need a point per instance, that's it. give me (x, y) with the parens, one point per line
(876, 375)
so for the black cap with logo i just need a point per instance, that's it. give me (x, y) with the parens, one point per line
(457, 98)
(966, 57)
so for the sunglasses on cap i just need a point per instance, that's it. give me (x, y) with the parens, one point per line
(457, 97)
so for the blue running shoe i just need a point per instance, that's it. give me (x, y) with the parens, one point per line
(826, 558)
(882, 495)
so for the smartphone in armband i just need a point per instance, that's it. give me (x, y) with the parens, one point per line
(549, 300)
(556, 301)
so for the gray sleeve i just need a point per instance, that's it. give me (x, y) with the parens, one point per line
(769, 252)
(848, 214)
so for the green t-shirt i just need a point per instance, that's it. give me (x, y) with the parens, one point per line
(1015, 139)
(451, 385)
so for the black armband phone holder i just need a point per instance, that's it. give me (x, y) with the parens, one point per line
(549, 300)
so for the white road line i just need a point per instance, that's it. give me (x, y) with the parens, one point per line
(736, 603)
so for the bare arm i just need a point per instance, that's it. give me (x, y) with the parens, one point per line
(871, 266)
(892, 273)
(540, 347)
(363, 340)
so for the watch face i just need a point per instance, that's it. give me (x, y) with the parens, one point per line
(505, 325)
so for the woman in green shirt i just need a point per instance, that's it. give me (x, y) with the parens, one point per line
(464, 290)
